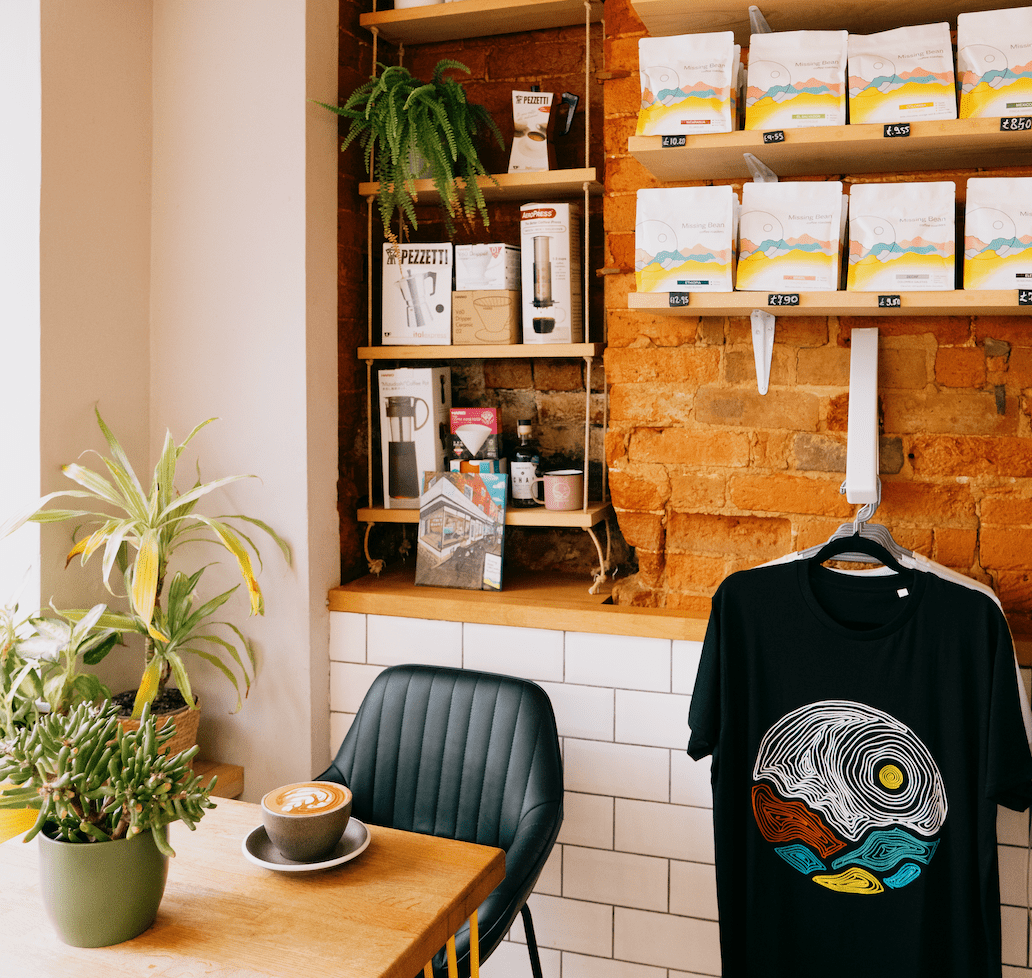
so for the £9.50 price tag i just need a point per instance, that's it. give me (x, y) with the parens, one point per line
(889, 302)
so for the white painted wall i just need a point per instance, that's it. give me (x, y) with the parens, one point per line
(168, 239)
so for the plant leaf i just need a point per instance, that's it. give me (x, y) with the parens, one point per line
(145, 577)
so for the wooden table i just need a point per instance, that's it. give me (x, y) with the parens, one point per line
(384, 913)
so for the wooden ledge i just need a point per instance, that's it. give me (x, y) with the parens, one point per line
(231, 777)
(528, 600)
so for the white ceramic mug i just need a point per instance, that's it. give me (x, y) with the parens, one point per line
(564, 489)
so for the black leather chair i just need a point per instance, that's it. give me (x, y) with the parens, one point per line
(462, 755)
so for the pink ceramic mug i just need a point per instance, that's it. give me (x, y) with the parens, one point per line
(564, 489)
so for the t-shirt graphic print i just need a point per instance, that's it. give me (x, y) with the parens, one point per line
(848, 796)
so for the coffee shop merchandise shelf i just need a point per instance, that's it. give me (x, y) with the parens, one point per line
(520, 187)
(580, 519)
(998, 302)
(494, 351)
(664, 17)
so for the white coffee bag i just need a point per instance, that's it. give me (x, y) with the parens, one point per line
(998, 233)
(684, 239)
(789, 237)
(688, 84)
(902, 237)
(902, 75)
(796, 79)
(994, 63)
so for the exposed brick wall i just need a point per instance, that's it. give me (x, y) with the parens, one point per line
(708, 476)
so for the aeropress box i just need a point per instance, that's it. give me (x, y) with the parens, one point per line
(414, 436)
(550, 236)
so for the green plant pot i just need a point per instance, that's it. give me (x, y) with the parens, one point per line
(101, 893)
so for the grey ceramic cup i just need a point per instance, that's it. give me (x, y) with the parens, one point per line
(305, 820)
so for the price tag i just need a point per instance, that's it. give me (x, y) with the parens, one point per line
(783, 299)
(889, 302)
(678, 299)
(1016, 123)
(774, 136)
(1025, 297)
(673, 141)
(896, 130)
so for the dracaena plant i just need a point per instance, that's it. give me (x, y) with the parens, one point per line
(86, 779)
(138, 531)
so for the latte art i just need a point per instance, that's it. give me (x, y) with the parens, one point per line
(307, 798)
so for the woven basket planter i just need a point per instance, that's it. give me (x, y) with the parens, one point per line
(186, 721)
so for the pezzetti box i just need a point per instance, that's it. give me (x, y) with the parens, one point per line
(417, 294)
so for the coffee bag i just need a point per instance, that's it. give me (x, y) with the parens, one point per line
(688, 84)
(902, 237)
(994, 63)
(902, 75)
(998, 233)
(796, 79)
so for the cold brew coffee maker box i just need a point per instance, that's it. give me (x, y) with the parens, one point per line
(553, 288)
(417, 287)
(414, 430)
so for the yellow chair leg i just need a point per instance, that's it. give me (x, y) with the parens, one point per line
(428, 970)
(453, 964)
(474, 946)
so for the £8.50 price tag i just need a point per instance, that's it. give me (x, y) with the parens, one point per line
(1016, 123)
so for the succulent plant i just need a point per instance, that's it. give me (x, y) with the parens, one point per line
(94, 782)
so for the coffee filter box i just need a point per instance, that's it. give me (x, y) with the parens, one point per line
(902, 75)
(688, 83)
(796, 79)
(684, 239)
(414, 436)
(789, 237)
(902, 237)
(486, 266)
(994, 63)
(417, 287)
(998, 233)
(553, 287)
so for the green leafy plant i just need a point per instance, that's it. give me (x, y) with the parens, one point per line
(405, 125)
(139, 531)
(91, 781)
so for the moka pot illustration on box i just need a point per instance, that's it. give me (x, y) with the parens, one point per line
(416, 289)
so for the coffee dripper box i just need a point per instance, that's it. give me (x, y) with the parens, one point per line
(533, 117)
(553, 289)
(414, 436)
(487, 266)
(417, 286)
(485, 316)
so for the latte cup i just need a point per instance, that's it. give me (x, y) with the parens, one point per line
(306, 820)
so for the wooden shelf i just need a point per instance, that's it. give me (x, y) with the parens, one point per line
(1002, 302)
(577, 519)
(931, 145)
(663, 17)
(475, 18)
(523, 187)
(493, 351)
(231, 777)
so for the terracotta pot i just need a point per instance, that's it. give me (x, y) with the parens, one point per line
(101, 893)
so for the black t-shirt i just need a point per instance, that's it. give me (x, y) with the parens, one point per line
(863, 730)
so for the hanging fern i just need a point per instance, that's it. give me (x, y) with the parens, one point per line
(406, 126)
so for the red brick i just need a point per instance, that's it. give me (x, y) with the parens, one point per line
(789, 494)
(902, 369)
(954, 547)
(508, 374)
(644, 488)
(826, 366)
(949, 330)
(616, 447)
(559, 375)
(1014, 589)
(917, 501)
(634, 329)
(1012, 329)
(960, 367)
(740, 367)
(618, 211)
(792, 331)
(1008, 507)
(750, 409)
(697, 492)
(1019, 366)
(954, 455)
(748, 536)
(649, 404)
(965, 413)
(689, 605)
(666, 365)
(770, 449)
(681, 446)
(693, 573)
(643, 530)
(1007, 548)
(633, 593)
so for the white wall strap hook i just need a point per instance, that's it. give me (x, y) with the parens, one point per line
(758, 170)
(757, 22)
(763, 346)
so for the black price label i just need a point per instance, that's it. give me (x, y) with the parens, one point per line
(678, 299)
(889, 302)
(774, 136)
(673, 141)
(783, 299)
(1025, 297)
(897, 130)
(1016, 123)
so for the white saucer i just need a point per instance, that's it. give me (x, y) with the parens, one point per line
(258, 848)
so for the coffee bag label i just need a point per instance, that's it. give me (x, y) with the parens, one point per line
(796, 79)
(902, 237)
(998, 233)
(902, 75)
(688, 84)
(684, 239)
(994, 63)
(789, 237)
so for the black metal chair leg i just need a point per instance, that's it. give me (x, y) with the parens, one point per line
(532, 948)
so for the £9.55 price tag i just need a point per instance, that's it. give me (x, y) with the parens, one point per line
(774, 136)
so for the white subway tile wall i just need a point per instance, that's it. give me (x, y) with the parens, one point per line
(630, 888)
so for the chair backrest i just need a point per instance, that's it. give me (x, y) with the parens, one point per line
(464, 755)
